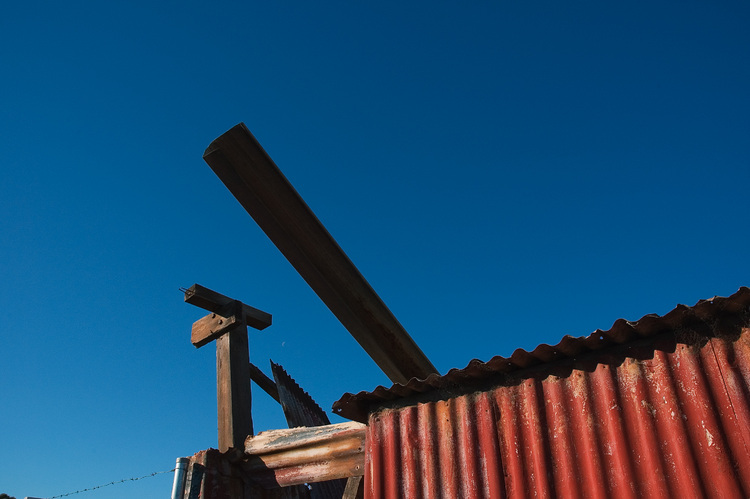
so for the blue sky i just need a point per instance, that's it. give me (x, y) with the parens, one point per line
(503, 174)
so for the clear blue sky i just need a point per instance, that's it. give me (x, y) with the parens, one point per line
(503, 174)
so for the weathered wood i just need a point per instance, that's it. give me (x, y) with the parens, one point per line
(260, 187)
(264, 382)
(280, 458)
(233, 388)
(210, 300)
(210, 327)
(354, 488)
(228, 326)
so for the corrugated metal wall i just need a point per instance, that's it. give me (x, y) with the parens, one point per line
(675, 424)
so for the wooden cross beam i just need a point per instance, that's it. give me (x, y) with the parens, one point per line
(227, 324)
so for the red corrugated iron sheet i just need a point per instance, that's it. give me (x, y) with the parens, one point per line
(705, 318)
(664, 412)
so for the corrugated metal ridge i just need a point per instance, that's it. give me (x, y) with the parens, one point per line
(299, 407)
(685, 324)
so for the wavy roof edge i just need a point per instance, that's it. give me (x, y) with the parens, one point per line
(707, 317)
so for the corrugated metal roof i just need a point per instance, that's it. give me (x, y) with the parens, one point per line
(688, 325)
(667, 414)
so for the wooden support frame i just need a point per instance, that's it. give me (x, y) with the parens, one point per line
(227, 325)
(210, 300)
(252, 177)
(233, 395)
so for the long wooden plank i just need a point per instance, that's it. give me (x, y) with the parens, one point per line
(252, 177)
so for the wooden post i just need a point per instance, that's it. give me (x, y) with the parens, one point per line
(233, 396)
(227, 324)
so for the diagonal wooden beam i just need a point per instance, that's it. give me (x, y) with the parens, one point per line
(252, 177)
(264, 382)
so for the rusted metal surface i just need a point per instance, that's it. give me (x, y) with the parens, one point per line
(662, 412)
(253, 178)
(280, 458)
(717, 315)
(675, 425)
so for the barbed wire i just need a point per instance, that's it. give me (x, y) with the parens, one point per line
(113, 483)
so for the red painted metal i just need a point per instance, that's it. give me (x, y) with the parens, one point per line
(702, 319)
(675, 425)
(666, 415)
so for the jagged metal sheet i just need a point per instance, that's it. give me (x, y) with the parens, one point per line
(299, 407)
(301, 410)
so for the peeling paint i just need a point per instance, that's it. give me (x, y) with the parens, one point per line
(709, 438)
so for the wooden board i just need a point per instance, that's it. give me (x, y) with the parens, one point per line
(260, 187)
(210, 300)
(210, 327)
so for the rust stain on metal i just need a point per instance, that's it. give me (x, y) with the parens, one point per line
(665, 419)
(281, 458)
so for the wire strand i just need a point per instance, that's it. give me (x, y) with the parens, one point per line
(113, 483)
